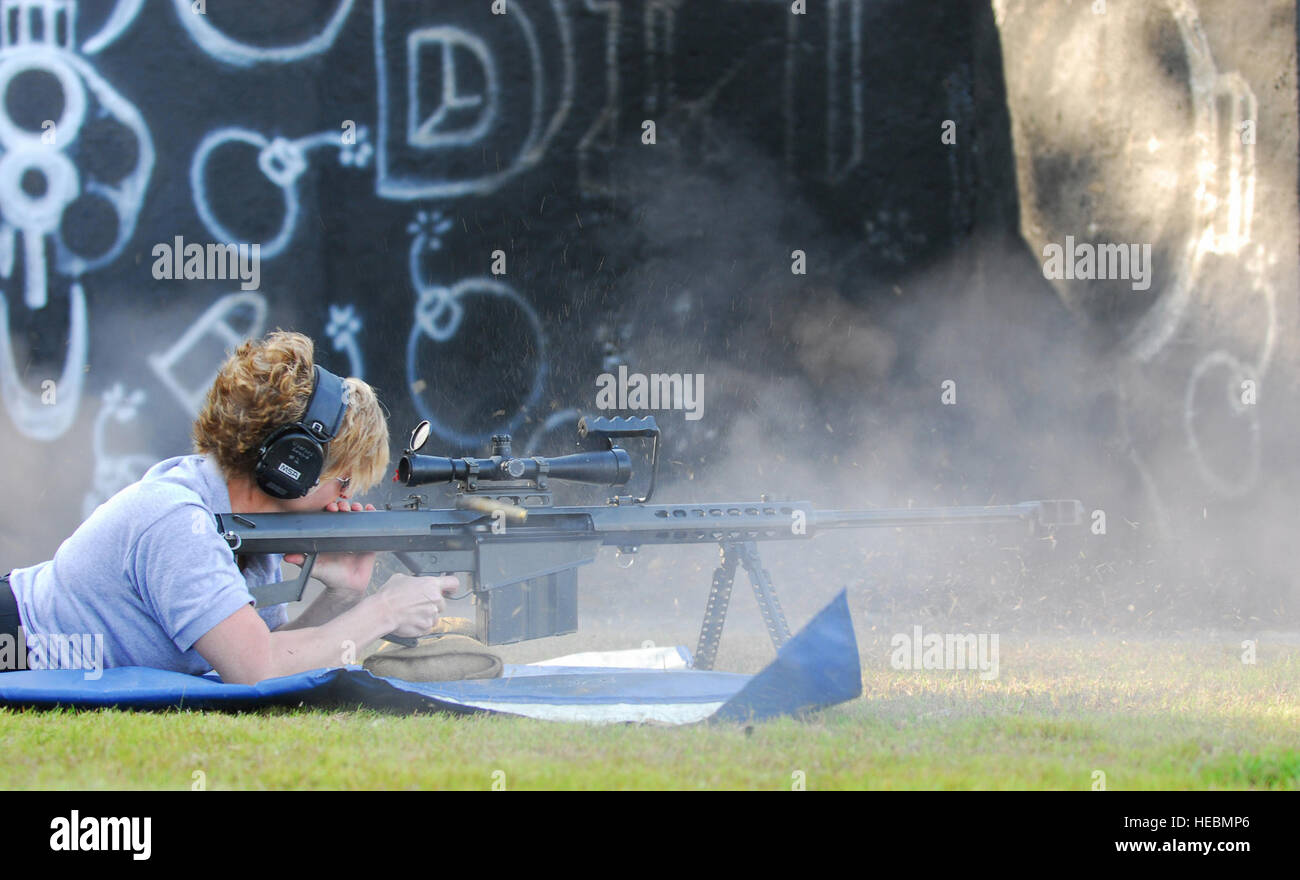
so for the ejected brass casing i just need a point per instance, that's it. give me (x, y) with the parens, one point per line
(492, 505)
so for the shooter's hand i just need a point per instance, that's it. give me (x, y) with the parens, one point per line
(343, 573)
(416, 602)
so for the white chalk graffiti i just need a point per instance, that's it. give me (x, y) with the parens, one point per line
(113, 472)
(1233, 371)
(598, 142)
(30, 415)
(438, 126)
(53, 22)
(1224, 171)
(40, 180)
(1223, 207)
(454, 99)
(659, 18)
(844, 149)
(215, 322)
(36, 216)
(1233, 201)
(282, 162)
(123, 14)
(342, 330)
(439, 311)
(435, 300)
(223, 48)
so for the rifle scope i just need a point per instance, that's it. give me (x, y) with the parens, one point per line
(611, 467)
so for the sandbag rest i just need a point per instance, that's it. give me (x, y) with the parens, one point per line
(437, 657)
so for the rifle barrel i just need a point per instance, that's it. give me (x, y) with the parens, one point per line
(414, 530)
(1043, 513)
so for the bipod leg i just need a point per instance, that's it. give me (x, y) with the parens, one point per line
(765, 594)
(715, 611)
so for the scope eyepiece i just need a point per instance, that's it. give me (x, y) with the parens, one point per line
(420, 470)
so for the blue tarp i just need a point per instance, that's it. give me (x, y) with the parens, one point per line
(819, 667)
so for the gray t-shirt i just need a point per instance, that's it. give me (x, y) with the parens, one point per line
(148, 571)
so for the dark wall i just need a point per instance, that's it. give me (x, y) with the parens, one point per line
(774, 131)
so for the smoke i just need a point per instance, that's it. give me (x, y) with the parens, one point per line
(964, 381)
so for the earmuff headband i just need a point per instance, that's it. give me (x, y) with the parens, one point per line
(326, 407)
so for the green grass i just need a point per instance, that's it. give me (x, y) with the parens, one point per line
(1171, 714)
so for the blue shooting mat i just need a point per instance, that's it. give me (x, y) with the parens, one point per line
(819, 667)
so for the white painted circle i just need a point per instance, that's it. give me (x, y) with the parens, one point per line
(223, 48)
(199, 188)
(69, 122)
(37, 213)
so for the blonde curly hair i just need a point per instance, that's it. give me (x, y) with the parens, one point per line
(264, 386)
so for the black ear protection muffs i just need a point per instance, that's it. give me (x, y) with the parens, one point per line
(290, 461)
